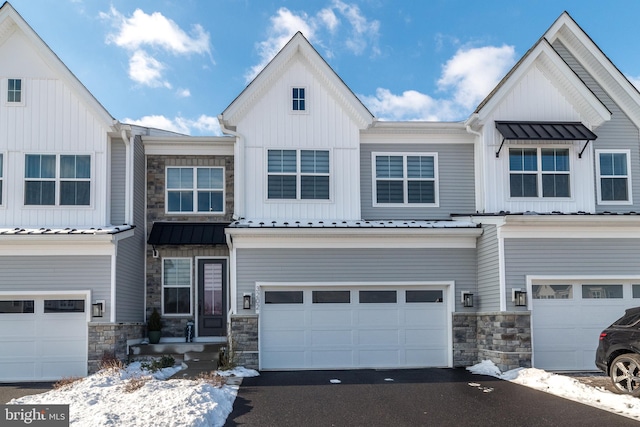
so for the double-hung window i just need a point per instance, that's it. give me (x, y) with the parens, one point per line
(298, 174)
(176, 285)
(71, 174)
(539, 172)
(14, 91)
(614, 181)
(195, 190)
(409, 179)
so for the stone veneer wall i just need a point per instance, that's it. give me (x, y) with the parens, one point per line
(505, 339)
(110, 339)
(244, 340)
(465, 342)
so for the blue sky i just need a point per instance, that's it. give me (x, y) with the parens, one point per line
(177, 64)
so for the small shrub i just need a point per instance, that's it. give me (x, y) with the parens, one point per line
(212, 378)
(65, 382)
(227, 357)
(134, 384)
(111, 362)
(165, 361)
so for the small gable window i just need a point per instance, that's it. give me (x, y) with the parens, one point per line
(298, 99)
(14, 91)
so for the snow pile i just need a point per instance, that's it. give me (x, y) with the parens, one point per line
(135, 397)
(563, 386)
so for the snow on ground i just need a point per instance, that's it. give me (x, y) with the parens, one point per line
(109, 398)
(561, 385)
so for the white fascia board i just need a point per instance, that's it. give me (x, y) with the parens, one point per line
(386, 128)
(19, 246)
(415, 239)
(189, 146)
(572, 227)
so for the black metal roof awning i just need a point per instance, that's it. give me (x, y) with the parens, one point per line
(544, 131)
(187, 233)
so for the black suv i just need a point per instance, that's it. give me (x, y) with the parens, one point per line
(618, 353)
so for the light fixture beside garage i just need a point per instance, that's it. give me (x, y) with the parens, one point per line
(246, 301)
(97, 308)
(519, 297)
(466, 298)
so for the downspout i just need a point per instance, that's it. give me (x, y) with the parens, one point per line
(128, 216)
(233, 296)
(238, 173)
(479, 172)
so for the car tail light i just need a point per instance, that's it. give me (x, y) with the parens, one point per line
(603, 335)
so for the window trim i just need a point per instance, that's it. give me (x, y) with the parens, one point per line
(298, 174)
(6, 92)
(599, 200)
(3, 173)
(406, 179)
(58, 179)
(290, 99)
(194, 191)
(540, 173)
(190, 286)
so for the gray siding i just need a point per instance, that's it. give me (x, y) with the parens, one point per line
(617, 133)
(57, 273)
(118, 185)
(578, 257)
(353, 265)
(130, 281)
(488, 270)
(456, 182)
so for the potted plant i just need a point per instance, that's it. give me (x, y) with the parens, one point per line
(154, 327)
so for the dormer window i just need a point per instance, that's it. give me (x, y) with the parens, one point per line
(14, 91)
(539, 172)
(298, 99)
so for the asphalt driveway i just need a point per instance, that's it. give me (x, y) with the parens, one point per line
(415, 397)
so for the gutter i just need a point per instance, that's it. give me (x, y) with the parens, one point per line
(238, 173)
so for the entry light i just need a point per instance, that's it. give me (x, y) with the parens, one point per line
(466, 298)
(97, 309)
(246, 301)
(519, 297)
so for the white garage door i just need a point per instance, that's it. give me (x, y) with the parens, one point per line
(43, 338)
(567, 320)
(354, 328)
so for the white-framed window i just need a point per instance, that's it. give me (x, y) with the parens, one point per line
(405, 179)
(298, 174)
(70, 173)
(195, 190)
(15, 95)
(613, 170)
(176, 286)
(1, 179)
(298, 99)
(539, 172)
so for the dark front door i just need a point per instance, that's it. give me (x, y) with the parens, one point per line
(212, 297)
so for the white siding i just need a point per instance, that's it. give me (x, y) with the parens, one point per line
(325, 125)
(52, 120)
(534, 98)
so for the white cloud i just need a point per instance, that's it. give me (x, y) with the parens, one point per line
(183, 93)
(146, 70)
(357, 36)
(467, 78)
(203, 125)
(471, 74)
(146, 38)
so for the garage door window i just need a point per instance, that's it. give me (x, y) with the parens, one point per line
(283, 297)
(16, 306)
(552, 291)
(635, 291)
(64, 306)
(331, 297)
(423, 296)
(378, 297)
(601, 291)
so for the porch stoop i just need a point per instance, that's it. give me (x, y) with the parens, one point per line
(197, 357)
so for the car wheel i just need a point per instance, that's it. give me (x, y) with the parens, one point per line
(625, 374)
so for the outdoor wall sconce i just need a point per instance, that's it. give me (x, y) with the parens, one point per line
(519, 297)
(466, 298)
(97, 309)
(246, 301)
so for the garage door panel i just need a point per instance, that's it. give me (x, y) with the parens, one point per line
(12, 348)
(354, 334)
